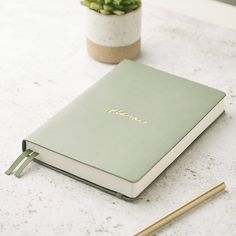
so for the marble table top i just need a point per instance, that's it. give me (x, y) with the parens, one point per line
(44, 65)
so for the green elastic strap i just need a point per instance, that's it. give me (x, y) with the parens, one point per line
(18, 161)
(25, 163)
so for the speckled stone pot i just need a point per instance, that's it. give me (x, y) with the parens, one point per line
(112, 38)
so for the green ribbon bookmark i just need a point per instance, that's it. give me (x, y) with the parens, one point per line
(18, 161)
(29, 155)
(25, 163)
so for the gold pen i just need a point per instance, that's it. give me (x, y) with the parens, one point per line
(181, 210)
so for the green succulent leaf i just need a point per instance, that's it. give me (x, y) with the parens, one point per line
(112, 7)
(108, 7)
(118, 12)
(104, 12)
(95, 6)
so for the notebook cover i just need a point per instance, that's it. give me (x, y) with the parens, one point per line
(125, 123)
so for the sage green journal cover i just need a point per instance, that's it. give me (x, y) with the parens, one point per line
(125, 123)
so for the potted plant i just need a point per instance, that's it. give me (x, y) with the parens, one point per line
(113, 29)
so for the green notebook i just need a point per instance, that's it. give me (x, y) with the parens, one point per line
(122, 132)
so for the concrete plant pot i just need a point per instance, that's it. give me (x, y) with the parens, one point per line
(112, 38)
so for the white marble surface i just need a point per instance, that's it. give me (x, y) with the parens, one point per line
(44, 65)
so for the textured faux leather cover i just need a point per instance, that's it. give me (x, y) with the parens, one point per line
(125, 123)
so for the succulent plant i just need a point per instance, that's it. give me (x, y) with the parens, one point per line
(112, 7)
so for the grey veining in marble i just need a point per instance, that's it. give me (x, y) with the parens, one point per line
(44, 65)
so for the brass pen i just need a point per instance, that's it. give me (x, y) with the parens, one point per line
(181, 210)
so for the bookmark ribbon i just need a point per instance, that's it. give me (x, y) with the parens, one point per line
(29, 155)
